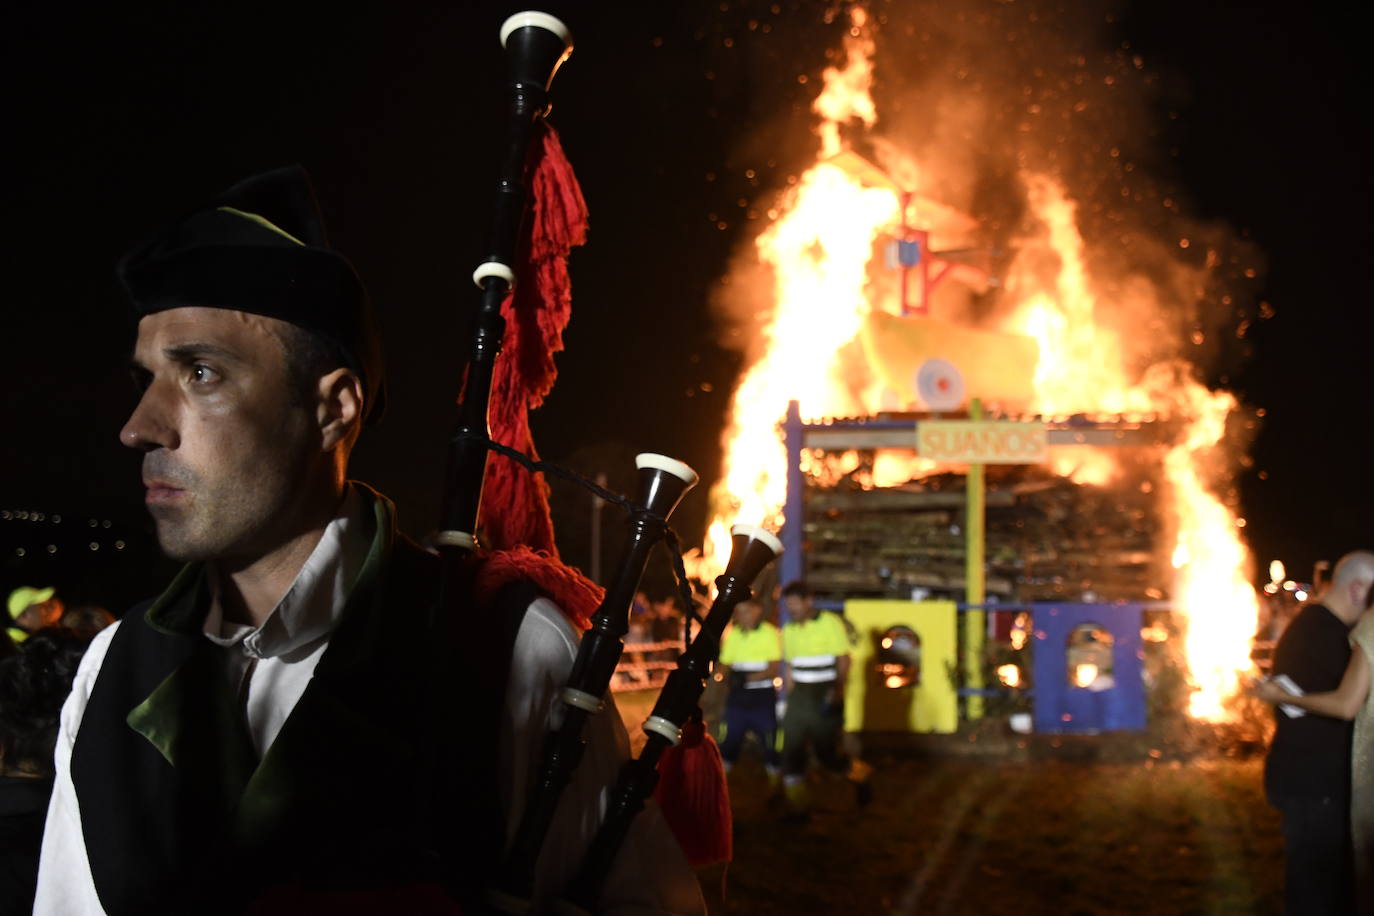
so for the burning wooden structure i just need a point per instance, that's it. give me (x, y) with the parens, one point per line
(1047, 537)
(1043, 319)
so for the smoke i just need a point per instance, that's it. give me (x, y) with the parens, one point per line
(985, 95)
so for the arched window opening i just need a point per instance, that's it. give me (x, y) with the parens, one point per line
(1088, 656)
(898, 659)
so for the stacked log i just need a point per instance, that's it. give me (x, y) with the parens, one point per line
(1047, 538)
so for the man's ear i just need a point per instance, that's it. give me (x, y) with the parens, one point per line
(339, 407)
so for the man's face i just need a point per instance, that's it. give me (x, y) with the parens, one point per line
(224, 448)
(799, 607)
(748, 614)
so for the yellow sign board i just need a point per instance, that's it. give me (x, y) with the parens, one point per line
(982, 441)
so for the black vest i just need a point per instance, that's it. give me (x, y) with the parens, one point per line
(382, 777)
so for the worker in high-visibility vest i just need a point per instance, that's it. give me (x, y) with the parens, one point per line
(750, 663)
(816, 649)
(32, 609)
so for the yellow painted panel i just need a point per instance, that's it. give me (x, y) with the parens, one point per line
(930, 706)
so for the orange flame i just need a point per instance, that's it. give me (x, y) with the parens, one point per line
(1081, 367)
(847, 93)
(819, 250)
(1212, 584)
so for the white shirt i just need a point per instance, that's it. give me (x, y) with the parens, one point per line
(271, 665)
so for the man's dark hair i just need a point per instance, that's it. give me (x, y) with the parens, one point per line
(309, 355)
(34, 682)
(797, 588)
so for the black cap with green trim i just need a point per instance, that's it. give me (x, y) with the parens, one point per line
(260, 247)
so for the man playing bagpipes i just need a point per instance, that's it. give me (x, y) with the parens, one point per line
(296, 724)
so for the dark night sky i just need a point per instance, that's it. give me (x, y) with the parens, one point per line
(118, 118)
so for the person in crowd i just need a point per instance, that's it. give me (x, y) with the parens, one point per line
(668, 627)
(1307, 774)
(750, 663)
(1320, 571)
(295, 723)
(815, 647)
(34, 681)
(1351, 700)
(33, 609)
(633, 673)
(86, 620)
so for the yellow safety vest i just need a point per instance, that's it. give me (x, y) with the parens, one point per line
(813, 647)
(750, 651)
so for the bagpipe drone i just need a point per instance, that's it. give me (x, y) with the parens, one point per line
(524, 306)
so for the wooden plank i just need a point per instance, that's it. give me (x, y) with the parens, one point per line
(842, 438)
(894, 499)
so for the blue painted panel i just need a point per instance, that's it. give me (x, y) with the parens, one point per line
(1063, 708)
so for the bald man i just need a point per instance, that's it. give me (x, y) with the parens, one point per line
(1307, 773)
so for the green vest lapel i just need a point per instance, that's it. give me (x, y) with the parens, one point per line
(190, 717)
(347, 723)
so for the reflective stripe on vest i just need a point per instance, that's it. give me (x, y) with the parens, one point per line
(813, 661)
(753, 668)
(813, 669)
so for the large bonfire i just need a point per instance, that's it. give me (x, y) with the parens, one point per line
(820, 250)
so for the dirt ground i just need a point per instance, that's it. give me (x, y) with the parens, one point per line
(1089, 825)
(980, 836)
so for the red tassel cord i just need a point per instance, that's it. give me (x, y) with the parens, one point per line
(577, 595)
(694, 797)
(515, 505)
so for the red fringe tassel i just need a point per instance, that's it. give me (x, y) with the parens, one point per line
(577, 595)
(515, 505)
(695, 800)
